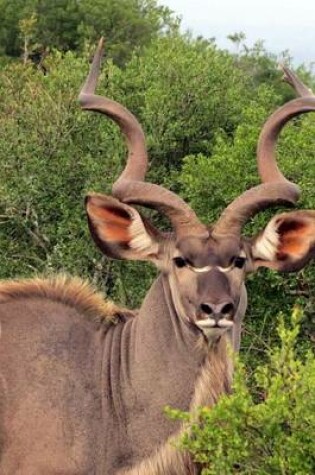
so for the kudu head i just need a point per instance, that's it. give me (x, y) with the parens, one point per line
(205, 265)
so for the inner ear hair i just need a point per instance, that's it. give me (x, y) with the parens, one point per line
(267, 242)
(287, 236)
(296, 237)
(119, 230)
(111, 220)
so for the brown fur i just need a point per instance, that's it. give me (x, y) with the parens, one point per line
(215, 380)
(71, 291)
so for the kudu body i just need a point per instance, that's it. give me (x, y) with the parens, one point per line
(83, 384)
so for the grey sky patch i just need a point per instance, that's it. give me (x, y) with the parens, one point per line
(282, 24)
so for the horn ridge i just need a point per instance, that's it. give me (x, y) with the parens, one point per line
(275, 187)
(130, 186)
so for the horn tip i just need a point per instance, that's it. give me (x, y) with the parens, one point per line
(286, 72)
(100, 48)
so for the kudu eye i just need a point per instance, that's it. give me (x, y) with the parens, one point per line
(239, 262)
(179, 262)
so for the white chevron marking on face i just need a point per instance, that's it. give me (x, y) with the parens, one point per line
(210, 323)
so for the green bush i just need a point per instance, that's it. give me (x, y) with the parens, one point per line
(268, 429)
(201, 111)
(210, 183)
(32, 26)
(52, 153)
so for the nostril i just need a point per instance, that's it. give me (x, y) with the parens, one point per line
(217, 311)
(205, 308)
(227, 309)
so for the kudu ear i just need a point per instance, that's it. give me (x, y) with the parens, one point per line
(119, 230)
(287, 243)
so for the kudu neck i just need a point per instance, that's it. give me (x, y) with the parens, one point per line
(160, 328)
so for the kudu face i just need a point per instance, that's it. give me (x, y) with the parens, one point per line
(206, 280)
(205, 266)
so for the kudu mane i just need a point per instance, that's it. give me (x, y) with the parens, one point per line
(70, 291)
(214, 381)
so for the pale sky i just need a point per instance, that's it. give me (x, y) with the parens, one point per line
(283, 24)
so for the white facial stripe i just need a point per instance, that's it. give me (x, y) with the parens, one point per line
(209, 268)
(200, 269)
(226, 269)
(224, 322)
(210, 322)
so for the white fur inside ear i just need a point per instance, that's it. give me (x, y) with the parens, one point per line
(141, 241)
(266, 245)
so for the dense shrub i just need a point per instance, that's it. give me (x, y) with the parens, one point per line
(32, 26)
(211, 182)
(268, 432)
(202, 110)
(202, 114)
(52, 153)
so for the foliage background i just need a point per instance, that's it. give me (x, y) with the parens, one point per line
(270, 432)
(201, 108)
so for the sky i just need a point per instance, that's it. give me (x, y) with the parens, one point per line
(282, 24)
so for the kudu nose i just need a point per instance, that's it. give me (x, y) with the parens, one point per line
(219, 310)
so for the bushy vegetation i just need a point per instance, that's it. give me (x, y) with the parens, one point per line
(269, 431)
(33, 26)
(202, 110)
(232, 169)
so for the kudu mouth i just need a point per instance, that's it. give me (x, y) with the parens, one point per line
(214, 323)
(212, 328)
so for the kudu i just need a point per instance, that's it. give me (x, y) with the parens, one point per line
(83, 385)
